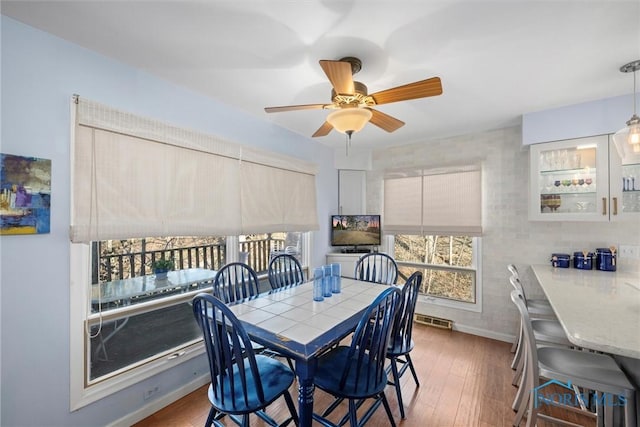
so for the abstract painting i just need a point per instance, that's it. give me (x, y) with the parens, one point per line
(25, 195)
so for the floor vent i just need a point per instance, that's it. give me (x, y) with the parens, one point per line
(433, 321)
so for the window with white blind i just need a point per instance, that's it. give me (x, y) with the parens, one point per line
(438, 202)
(435, 219)
(135, 177)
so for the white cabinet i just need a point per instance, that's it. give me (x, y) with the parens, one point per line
(351, 192)
(347, 262)
(582, 180)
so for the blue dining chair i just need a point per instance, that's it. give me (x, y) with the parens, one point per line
(401, 344)
(235, 281)
(242, 383)
(357, 372)
(376, 267)
(284, 270)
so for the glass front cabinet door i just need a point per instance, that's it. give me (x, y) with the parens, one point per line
(582, 179)
(624, 183)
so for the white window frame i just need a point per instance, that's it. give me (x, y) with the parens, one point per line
(446, 302)
(301, 214)
(83, 392)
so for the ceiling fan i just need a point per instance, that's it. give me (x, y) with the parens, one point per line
(352, 103)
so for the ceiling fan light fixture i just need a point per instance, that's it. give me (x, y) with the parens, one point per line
(627, 139)
(349, 119)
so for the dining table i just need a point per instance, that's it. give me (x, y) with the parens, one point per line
(291, 323)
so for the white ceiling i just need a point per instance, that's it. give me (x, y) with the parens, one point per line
(497, 59)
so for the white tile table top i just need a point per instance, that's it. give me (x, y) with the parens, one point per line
(599, 310)
(292, 313)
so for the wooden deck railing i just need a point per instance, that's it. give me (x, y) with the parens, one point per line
(211, 256)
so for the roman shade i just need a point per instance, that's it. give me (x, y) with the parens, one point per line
(138, 177)
(444, 202)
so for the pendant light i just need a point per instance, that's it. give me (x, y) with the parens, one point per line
(627, 140)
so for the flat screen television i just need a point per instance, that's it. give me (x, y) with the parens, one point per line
(355, 230)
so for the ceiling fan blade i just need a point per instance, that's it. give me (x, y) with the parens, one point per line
(323, 130)
(339, 74)
(385, 121)
(421, 89)
(296, 107)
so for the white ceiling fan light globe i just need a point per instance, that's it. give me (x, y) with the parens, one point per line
(349, 119)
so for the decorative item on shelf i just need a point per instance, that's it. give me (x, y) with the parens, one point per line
(161, 267)
(551, 201)
(629, 184)
(627, 139)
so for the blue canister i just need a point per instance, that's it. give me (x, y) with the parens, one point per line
(317, 284)
(561, 260)
(605, 259)
(583, 260)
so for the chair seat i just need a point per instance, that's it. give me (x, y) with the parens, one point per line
(540, 308)
(329, 374)
(550, 331)
(275, 377)
(399, 347)
(590, 370)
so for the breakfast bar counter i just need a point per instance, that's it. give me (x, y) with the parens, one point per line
(599, 310)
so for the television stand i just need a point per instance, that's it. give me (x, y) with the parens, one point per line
(356, 250)
(347, 259)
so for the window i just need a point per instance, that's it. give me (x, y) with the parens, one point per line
(434, 216)
(127, 323)
(448, 264)
(124, 332)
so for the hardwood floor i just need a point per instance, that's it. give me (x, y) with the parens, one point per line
(465, 380)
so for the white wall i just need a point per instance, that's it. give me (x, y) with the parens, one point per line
(600, 117)
(509, 237)
(39, 75)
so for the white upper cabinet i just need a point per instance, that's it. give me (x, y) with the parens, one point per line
(351, 192)
(582, 179)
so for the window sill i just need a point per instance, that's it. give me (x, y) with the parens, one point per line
(458, 305)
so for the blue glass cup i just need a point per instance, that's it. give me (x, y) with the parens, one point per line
(318, 280)
(326, 281)
(335, 278)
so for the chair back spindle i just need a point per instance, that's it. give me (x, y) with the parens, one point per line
(235, 281)
(378, 268)
(284, 271)
(403, 326)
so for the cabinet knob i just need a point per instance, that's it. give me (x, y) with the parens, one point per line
(604, 206)
(615, 206)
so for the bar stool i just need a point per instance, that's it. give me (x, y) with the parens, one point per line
(546, 332)
(567, 367)
(538, 309)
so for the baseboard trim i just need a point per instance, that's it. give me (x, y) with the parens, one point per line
(155, 405)
(483, 332)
